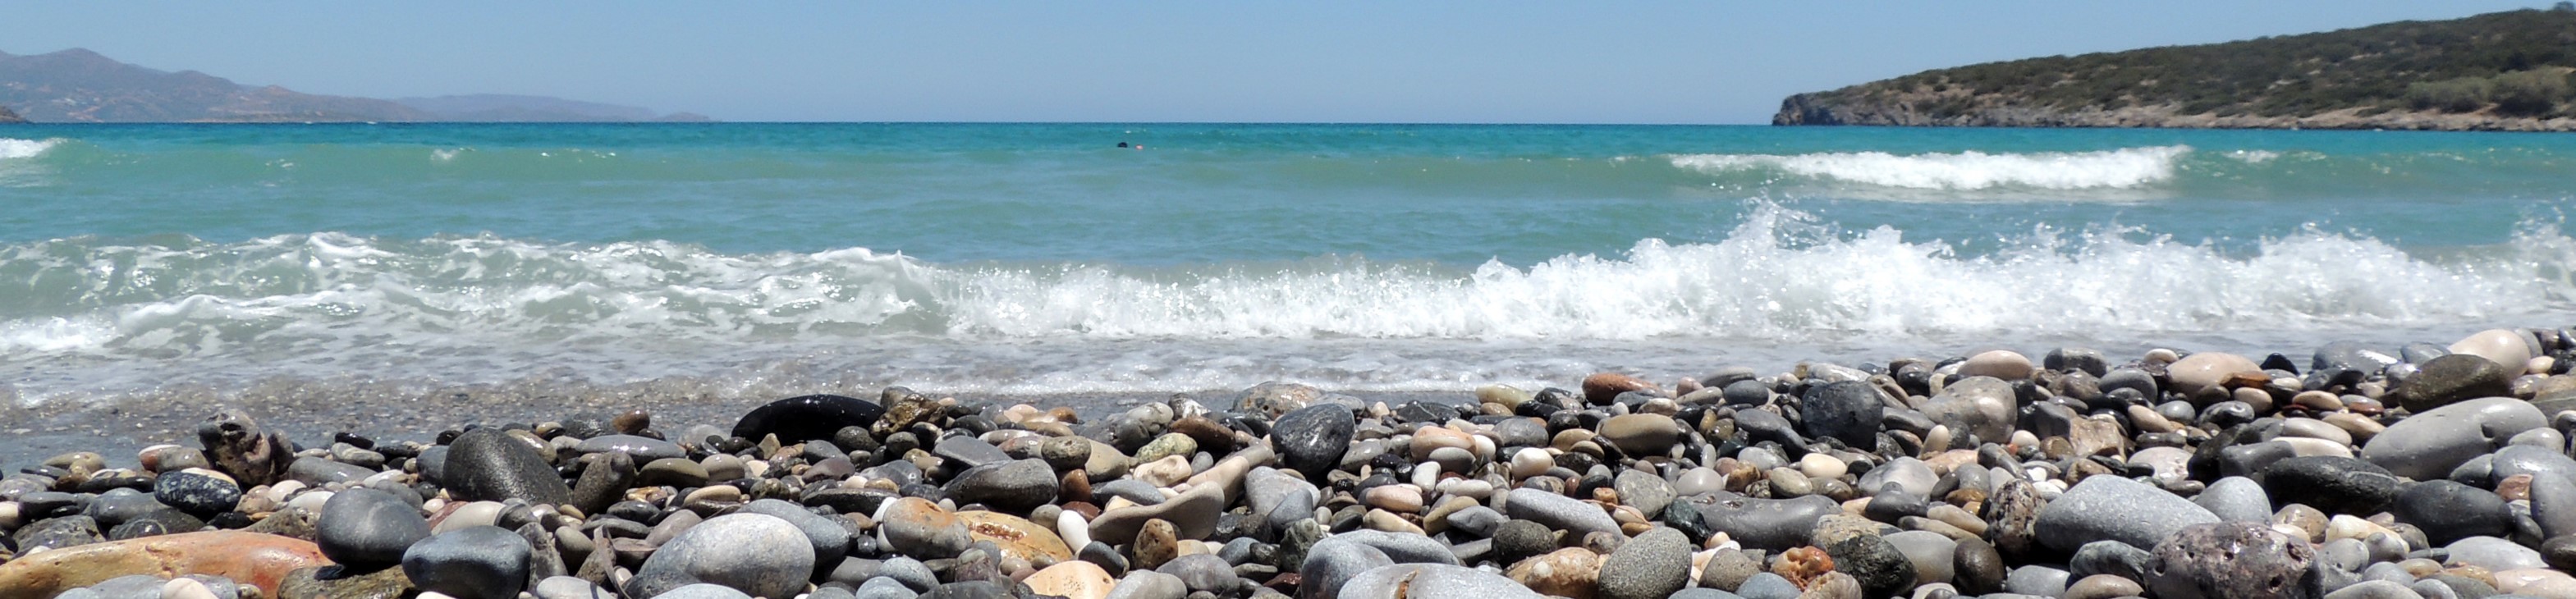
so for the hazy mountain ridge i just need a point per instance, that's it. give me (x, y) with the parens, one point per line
(80, 86)
(2498, 71)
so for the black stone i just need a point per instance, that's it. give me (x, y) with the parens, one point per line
(2449, 511)
(2335, 485)
(2451, 379)
(58, 533)
(197, 494)
(2110, 557)
(1312, 439)
(1977, 567)
(1012, 486)
(476, 561)
(366, 527)
(111, 509)
(1521, 539)
(807, 417)
(486, 464)
(1848, 410)
(1883, 571)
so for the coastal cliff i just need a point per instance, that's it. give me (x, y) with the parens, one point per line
(2505, 71)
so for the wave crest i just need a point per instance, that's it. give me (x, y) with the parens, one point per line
(1971, 170)
(11, 149)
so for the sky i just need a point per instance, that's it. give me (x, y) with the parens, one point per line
(1410, 61)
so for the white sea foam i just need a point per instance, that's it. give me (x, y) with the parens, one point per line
(25, 148)
(479, 308)
(2112, 169)
(2253, 156)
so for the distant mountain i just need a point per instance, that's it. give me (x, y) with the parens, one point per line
(80, 86)
(2499, 71)
(530, 109)
(10, 117)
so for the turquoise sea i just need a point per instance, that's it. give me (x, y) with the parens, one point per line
(1043, 259)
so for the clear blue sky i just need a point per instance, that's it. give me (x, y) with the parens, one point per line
(1564, 62)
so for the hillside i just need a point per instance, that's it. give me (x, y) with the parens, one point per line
(80, 86)
(2499, 71)
(10, 117)
(535, 109)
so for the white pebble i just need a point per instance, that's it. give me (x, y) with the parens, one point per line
(1819, 465)
(310, 502)
(1531, 461)
(184, 588)
(1076, 532)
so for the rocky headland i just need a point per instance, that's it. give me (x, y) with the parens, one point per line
(2506, 71)
(2424, 471)
(6, 116)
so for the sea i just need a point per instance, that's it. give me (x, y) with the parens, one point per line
(235, 264)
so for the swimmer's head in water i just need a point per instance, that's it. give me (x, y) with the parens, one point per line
(1122, 144)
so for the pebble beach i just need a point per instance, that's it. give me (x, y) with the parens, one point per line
(2438, 469)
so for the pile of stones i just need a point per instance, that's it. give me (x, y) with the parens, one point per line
(2433, 471)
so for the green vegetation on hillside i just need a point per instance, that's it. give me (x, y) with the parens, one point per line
(2514, 63)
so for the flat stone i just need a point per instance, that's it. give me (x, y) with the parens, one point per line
(200, 493)
(2494, 554)
(1015, 485)
(1399, 547)
(2428, 445)
(1641, 434)
(969, 452)
(1432, 581)
(1568, 572)
(335, 582)
(2451, 379)
(2117, 509)
(1770, 524)
(480, 562)
(919, 527)
(1558, 511)
(1073, 580)
(1908, 474)
(1194, 511)
(1149, 584)
(2206, 370)
(702, 591)
(804, 418)
(254, 559)
(2447, 511)
(1017, 537)
(2335, 485)
(2002, 364)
